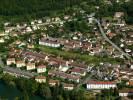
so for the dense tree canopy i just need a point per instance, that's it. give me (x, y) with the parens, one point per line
(25, 9)
(35, 7)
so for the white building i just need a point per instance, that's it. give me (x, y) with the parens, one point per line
(10, 61)
(2, 40)
(100, 85)
(53, 82)
(125, 92)
(40, 79)
(63, 68)
(30, 66)
(41, 69)
(68, 86)
(50, 43)
(20, 64)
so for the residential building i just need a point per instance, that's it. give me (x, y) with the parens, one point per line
(41, 68)
(40, 79)
(126, 92)
(10, 61)
(63, 68)
(53, 82)
(78, 71)
(20, 64)
(100, 85)
(49, 42)
(68, 86)
(118, 14)
(30, 66)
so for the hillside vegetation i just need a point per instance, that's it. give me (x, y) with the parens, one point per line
(26, 9)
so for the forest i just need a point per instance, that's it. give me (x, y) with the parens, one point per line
(29, 87)
(34, 8)
(26, 9)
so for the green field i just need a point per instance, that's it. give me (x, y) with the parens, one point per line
(72, 55)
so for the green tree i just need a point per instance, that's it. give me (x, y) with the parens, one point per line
(45, 91)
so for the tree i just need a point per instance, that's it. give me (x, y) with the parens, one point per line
(45, 91)
(59, 97)
(25, 96)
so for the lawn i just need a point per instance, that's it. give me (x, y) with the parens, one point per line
(76, 56)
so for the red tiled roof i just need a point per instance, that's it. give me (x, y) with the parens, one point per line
(131, 83)
(78, 70)
(40, 77)
(41, 66)
(101, 82)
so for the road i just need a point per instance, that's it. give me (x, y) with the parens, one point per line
(109, 41)
(16, 71)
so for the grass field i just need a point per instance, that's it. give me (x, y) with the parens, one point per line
(76, 56)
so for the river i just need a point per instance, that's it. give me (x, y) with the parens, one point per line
(10, 92)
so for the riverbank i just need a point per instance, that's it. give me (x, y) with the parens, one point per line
(10, 92)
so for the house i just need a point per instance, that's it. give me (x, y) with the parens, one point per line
(63, 75)
(118, 14)
(78, 71)
(2, 40)
(64, 67)
(28, 29)
(130, 83)
(41, 68)
(39, 21)
(2, 33)
(30, 66)
(49, 42)
(34, 56)
(69, 45)
(10, 61)
(53, 82)
(100, 85)
(30, 46)
(68, 86)
(126, 92)
(40, 79)
(130, 34)
(20, 64)
(74, 78)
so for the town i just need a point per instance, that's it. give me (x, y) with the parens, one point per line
(46, 51)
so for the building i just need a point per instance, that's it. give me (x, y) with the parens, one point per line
(40, 79)
(100, 85)
(20, 64)
(41, 69)
(126, 92)
(64, 67)
(68, 86)
(49, 42)
(10, 61)
(2, 40)
(78, 71)
(53, 82)
(118, 14)
(30, 66)
(130, 83)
